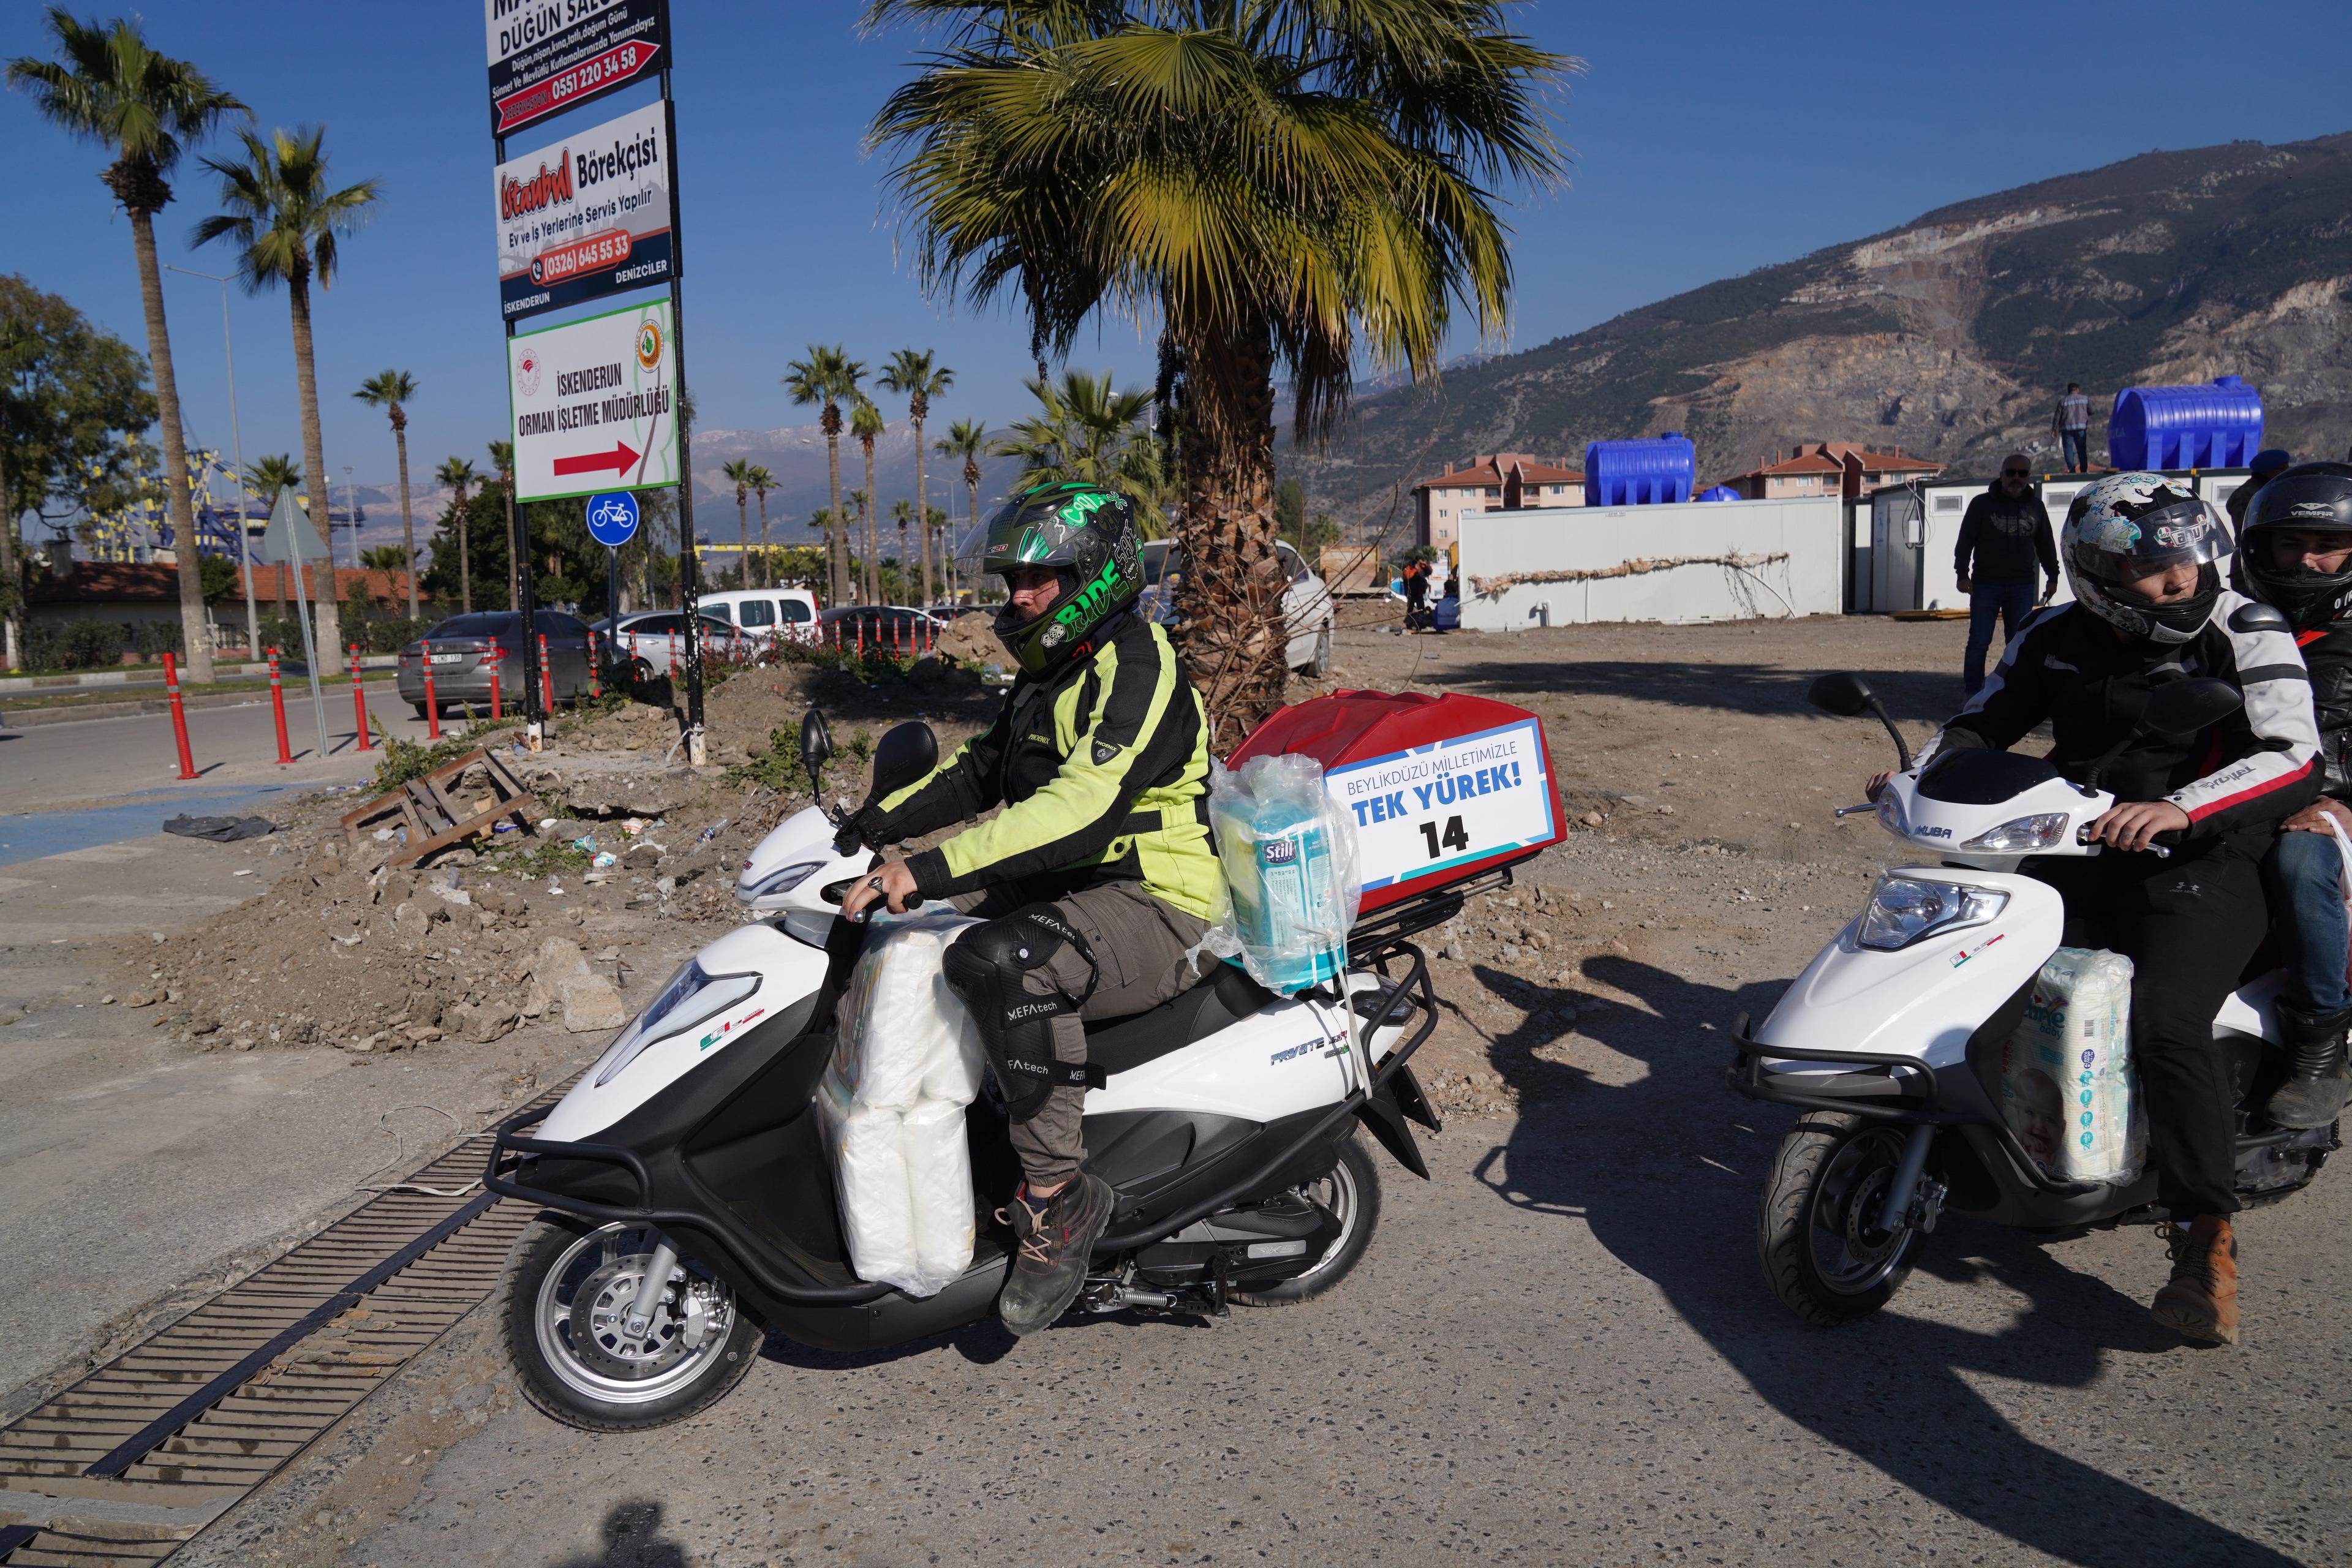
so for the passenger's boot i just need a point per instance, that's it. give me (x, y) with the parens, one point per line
(2201, 1300)
(2318, 1081)
(1057, 1237)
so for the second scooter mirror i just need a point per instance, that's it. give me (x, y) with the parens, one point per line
(907, 754)
(816, 749)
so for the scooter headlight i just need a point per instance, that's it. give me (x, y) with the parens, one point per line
(776, 882)
(692, 997)
(1904, 909)
(2022, 835)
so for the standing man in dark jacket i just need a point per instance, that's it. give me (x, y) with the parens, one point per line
(2070, 423)
(2295, 553)
(2003, 538)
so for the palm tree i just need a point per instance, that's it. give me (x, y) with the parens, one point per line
(865, 423)
(902, 513)
(385, 558)
(502, 459)
(389, 389)
(911, 372)
(286, 224)
(1086, 432)
(265, 479)
(107, 85)
(968, 439)
(1288, 185)
(828, 376)
(459, 476)
(740, 472)
(762, 482)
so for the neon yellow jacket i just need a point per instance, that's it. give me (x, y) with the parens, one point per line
(1102, 767)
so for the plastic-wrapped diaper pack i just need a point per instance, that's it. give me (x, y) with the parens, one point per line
(892, 1102)
(2067, 1087)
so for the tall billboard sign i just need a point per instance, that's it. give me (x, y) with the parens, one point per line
(587, 216)
(549, 56)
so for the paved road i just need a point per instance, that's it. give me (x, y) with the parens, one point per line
(1558, 1351)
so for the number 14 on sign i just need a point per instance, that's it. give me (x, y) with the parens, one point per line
(1454, 838)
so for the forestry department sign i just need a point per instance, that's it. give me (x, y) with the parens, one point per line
(595, 405)
(586, 217)
(548, 56)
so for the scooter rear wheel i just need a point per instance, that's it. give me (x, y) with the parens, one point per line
(566, 1287)
(1351, 1193)
(1817, 1231)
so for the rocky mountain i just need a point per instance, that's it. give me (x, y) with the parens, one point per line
(1950, 337)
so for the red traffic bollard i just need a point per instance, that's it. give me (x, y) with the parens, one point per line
(179, 717)
(498, 681)
(432, 708)
(359, 700)
(278, 710)
(546, 679)
(595, 671)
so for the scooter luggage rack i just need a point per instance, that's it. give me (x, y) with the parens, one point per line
(1380, 932)
(1382, 1106)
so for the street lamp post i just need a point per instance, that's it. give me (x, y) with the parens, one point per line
(236, 456)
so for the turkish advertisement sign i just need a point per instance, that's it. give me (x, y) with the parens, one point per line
(586, 217)
(1455, 801)
(595, 405)
(548, 56)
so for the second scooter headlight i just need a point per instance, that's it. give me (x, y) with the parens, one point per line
(1904, 909)
(777, 882)
(2022, 835)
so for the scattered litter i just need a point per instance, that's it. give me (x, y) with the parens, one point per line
(585, 843)
(711, 832)
(220, 830)
(506, 828)
(603, 858)
(546, 823)
(246, 872)
(634, 827)
(383, 836)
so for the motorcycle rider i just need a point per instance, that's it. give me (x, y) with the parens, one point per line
(1096, 881)
(2295, 553)
(2141, 552)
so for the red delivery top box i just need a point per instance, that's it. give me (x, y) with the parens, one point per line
(1439, 788)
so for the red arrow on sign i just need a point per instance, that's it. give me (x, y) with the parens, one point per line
(615, 461)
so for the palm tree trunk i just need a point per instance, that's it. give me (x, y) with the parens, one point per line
(514, 556)
(972, 495)
(923, 509)
(873, 545)
(194, 634)
(314, 459)
(837, 553)
(407, 530)
(1229, 627)
(465, 554)
(742, 540)
(767, 567)
(12, 582)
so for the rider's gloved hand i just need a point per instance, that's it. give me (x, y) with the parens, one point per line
(2135, 824)
(1877, 781)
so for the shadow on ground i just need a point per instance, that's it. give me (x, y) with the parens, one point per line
(1912, 696)
(634, 1539)
(1666, 1173)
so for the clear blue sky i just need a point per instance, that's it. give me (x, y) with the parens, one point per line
(1730, 137)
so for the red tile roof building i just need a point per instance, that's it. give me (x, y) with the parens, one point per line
(1831, 468)
(1497, 482)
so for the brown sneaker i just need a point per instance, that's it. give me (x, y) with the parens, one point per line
(2201, 1301)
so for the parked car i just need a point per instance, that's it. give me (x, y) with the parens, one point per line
(1306, 608)
(893, 626)
(461, 660)
(767, 612)
(653, 642)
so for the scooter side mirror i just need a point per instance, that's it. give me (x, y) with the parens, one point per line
(1847, 696)
(2185, 707)
(816, 748)
(906, 755)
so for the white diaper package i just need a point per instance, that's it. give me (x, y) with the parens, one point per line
(2067, 1087)
(891, 1104)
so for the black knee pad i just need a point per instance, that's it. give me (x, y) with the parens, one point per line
(984, 967)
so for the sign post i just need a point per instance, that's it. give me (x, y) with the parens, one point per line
(282, 542)
(612, 523)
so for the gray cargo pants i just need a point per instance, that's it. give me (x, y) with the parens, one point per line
(1140, 945)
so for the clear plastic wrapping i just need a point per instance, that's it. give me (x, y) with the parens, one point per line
(1290, 863)
(891, 1104)
(2068, 1088)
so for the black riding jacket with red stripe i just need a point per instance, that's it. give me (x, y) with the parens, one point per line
(2328, 652)
(2068, 667)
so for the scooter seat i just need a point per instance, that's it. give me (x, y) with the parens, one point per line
(1226, 997)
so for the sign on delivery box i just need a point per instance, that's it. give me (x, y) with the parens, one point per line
(1438, 787)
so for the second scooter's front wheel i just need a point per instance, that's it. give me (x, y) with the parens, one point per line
(568, 1293)
(1817, 1232)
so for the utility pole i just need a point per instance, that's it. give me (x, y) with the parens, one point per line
(236, 456)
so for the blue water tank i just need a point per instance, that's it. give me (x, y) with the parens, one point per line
(2216, 427)
(1640, 473)
(1717, 493)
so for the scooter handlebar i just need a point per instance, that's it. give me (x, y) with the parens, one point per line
(2161, 846)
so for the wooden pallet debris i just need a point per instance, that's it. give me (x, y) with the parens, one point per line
(435, 818)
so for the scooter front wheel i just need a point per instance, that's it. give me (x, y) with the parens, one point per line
(1817, 1232)
(568, 1289)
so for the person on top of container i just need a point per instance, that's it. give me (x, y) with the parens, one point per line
(2295, 553)
(2070, 423)
(2142, 554)
(2268, 465)
(2004, 534)
(1096, 882)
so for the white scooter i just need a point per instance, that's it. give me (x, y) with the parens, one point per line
(1890, 1042)
(691, 1200)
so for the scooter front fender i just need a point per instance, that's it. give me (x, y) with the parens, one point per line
(1923, 1001)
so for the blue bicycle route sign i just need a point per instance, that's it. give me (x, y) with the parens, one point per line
(612, 517)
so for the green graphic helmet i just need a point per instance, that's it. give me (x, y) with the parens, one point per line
(1089, 535)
